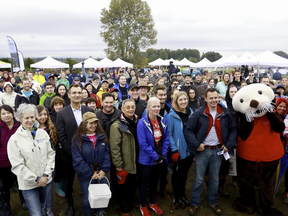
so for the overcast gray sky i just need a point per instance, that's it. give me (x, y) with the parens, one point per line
(67, 28)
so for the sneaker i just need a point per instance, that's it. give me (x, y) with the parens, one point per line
(49, 213)
(101, 213)
(223, 191)
(156, 209)
(216, 209)
(286, 197)
(24, 206)
(193, 210)
(144, 211)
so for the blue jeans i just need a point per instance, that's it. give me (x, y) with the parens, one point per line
(35, 200)
(202, 159)
(84, 184)
(49, 199)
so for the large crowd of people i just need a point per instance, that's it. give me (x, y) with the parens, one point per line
(135, 125)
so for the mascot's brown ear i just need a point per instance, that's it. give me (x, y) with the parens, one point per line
(276, 122)
(244, 127)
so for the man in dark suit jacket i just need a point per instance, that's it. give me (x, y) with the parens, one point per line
(68, 120)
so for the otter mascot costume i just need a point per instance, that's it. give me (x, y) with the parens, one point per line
(259, 148)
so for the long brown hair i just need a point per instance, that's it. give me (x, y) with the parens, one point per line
(82, 130)
(226, 83)
(49, 125)
(175, 104)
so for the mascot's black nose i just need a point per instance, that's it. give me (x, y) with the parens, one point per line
(254, 103)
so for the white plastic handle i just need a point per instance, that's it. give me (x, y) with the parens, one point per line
(101, 179)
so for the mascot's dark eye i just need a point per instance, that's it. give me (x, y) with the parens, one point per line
(241, 100)
(260, 92)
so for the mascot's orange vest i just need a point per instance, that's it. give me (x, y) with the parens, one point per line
(263, 144)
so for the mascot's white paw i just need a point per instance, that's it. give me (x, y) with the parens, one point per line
(253, 100)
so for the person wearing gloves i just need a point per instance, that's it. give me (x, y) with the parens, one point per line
(181, 158)
(32, 159)
(153, 139)
(90, 156)
(123, 144)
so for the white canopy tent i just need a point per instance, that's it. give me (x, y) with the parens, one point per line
(203, 63)
(169, 60)
(121, 63)
(239, 61)
(105, 63)
(158, 62)
(185, 62)
(88, 63)
(268, 58)
(230, 60)
(49, 62)
(4, 65)
(218, 63)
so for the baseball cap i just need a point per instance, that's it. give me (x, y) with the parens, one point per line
(141, 75)
(280, 86)
(89, 117)
(113, 89)
(179, 74)
(105, 80)
(133, 85)
(95, 77)
(187, 74)
(76, 78)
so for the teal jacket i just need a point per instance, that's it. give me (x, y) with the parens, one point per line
(176, 134)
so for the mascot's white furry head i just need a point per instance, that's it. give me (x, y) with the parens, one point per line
(254, 100)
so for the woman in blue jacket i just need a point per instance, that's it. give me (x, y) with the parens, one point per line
(181, 158)
(91, 156)
(153, 147)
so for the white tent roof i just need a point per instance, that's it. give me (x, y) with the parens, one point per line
(240, 61)
(4, 65)
(49, 62)
(104, 63)
(158, 62)
(203, 63)
(120, 63)
(219, 63)
(185, 62)
(230, 60)
(171, 59)
(89, 63)
(268, 58)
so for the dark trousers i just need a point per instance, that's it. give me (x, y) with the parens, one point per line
(150, 177)
(58, 167)
(264, 173)
(6, 178)
(126, 193)
(163, 177)
(286, 181)
(179, 176)
(68, 180)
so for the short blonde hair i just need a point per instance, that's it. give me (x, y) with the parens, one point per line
(152, 99)
(175, 99)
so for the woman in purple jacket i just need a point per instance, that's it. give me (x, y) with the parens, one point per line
(153, 147)
(8, 127)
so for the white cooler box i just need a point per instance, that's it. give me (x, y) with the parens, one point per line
(99, 195)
